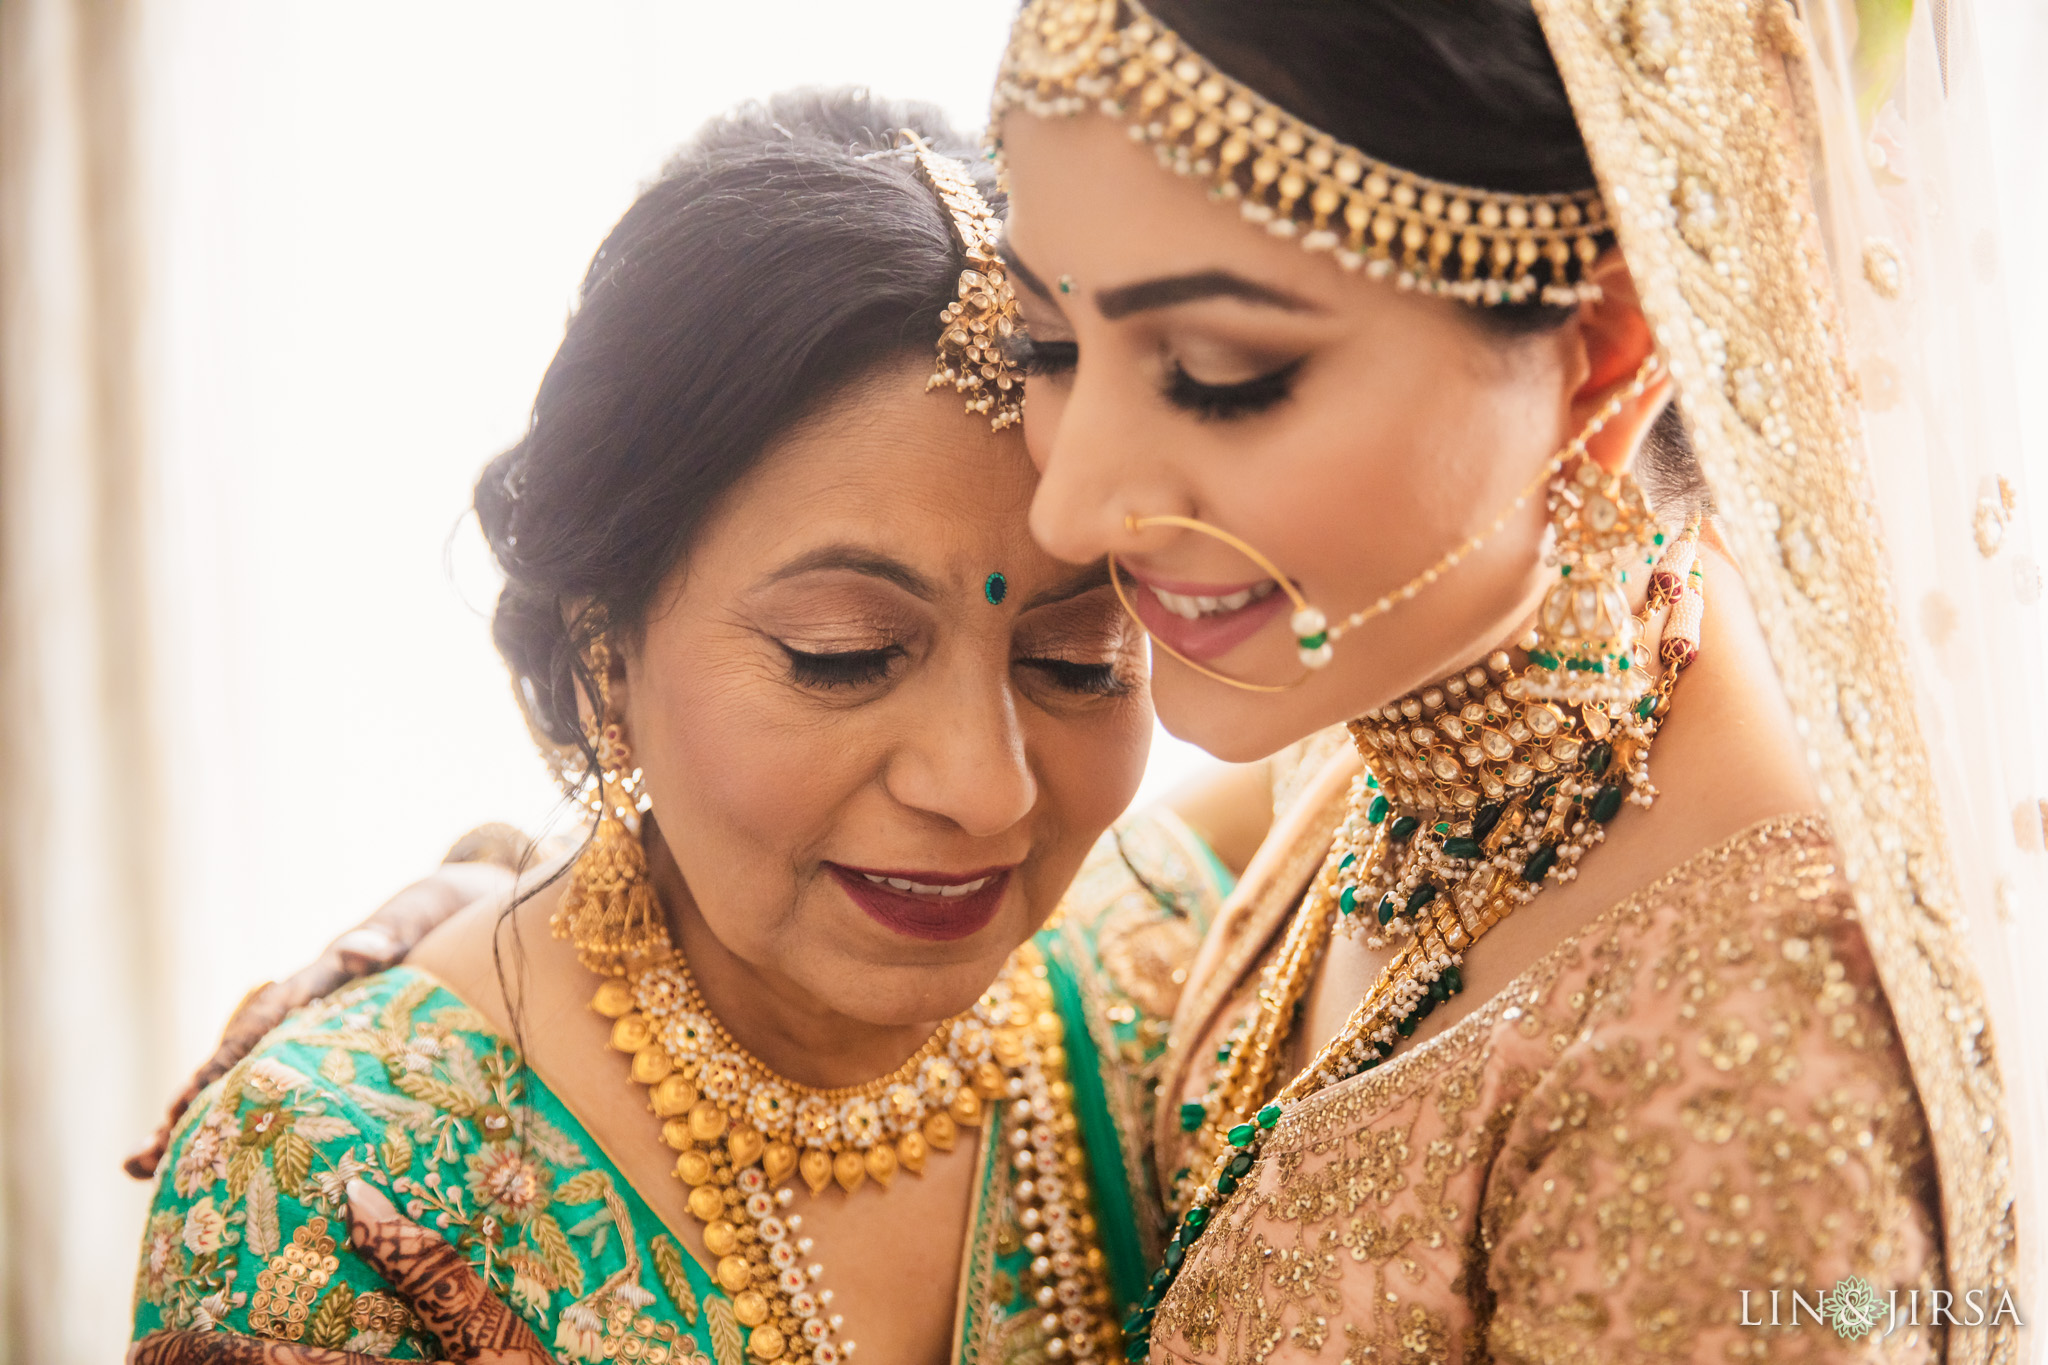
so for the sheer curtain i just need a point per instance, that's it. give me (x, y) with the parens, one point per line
(276, 277)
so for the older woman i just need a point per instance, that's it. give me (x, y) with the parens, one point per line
(788, 1057)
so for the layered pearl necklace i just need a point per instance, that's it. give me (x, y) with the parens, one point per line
(741, 1130)
(1475, 797)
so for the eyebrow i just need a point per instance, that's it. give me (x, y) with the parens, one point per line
(1095, 576)
(854, 559)
(1169, 291)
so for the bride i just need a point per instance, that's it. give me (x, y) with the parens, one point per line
(1470, 374)
(802, 1064)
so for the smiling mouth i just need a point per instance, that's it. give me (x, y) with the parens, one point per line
(1195, 606)
(926, 905)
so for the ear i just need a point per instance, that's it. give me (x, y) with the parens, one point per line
(1614, 340)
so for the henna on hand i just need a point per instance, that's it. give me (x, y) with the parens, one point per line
(225, 1348)
(438, 1283)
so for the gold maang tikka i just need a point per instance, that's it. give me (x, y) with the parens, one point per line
(609, 909)
(974, 349)
(1481, 246)
(1315, 637)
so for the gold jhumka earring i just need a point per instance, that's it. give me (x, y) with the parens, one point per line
(609, 910)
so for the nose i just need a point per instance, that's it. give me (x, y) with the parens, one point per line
(966, 761)
(1093, 473)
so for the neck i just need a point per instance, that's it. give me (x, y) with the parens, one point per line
(788, 1029)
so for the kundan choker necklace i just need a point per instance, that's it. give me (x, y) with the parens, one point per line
(741, 1130)
(1475, 797)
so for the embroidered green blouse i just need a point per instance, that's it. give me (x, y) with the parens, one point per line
(397, 1082)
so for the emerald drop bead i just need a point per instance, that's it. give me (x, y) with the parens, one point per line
(1646, 706)
(1222, 1056)
(1226, 1184)
(1269, 1116)
(1136, 1323)
(1539, 864)
(1607, 804)
(1240, 1166)
(1406, 1027)
(1598, 756)
(1161, 1278)
(1192, 1113)
(1461, 848)
(1242, 1135)
(1387, 910)
(1198, 1217)
(1405, 827)
(1349, 859)
(1419, 897)
(1438, 991)
(1369, 1064)
(1348, 900)
(1453, 979)
(1137, 1348)
(1377, 811)
(1489, 815)
(1175, 1254)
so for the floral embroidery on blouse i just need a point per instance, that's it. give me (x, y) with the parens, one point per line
(1700, 1093)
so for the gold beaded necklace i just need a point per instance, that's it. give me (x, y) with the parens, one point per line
(740, 1130)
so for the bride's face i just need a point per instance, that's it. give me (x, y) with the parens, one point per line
(1186, 363)
(875, 780)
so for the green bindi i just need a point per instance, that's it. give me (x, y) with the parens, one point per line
(995, 588)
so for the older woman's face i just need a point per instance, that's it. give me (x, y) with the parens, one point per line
(1188, 364)
(877, 781)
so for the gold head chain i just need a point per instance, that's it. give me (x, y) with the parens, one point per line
(973, 352)
(1482, 246)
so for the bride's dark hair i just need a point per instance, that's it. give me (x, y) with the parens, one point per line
(780, 255)
(1457, 90)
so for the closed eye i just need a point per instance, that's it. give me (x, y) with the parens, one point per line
(1043, 358)
(847, 668)
(1094, 680)
(1224, 402)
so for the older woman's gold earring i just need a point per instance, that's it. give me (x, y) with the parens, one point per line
(609, 909)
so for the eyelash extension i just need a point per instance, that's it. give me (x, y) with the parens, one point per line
(849, 668)
(1043, 358)
(1224, 402)
(1093, 680)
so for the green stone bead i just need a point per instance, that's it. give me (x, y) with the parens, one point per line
(1240, 1165)
(1406, 1027)
(1175, 1254)
(1387, 910)
(1222, 1056)
(1349, 859)
(1461, 847)
(1269, 1116)
(1539, 864)
(1315, 641)
(1137, 1348)
(1369, 1064)
(1377, 811)
(1453, 979)
(1607, 804)
(1242, 1135)
(1419, 897)
(1192, 1113)
(1405, 827)
(1598, 756)
(1226, 1184)
(1347, 901)
(1489, 815)
(1438, 991)
(1136, 1323)
(1198, 1217)
(1646, 706)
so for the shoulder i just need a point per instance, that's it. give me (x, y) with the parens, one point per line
(1711, 1084)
